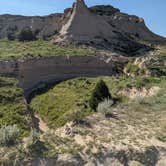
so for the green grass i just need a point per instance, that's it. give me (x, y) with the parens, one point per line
(13, 109)
(61, 103)
(157, 63)
(156, 103)
(116, 84)
(39, 48)
(58, 105)
(134, 69)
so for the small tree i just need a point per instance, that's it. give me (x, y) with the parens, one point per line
(100, 93)
(26, 35)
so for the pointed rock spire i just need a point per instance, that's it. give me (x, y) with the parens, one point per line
(83, 25)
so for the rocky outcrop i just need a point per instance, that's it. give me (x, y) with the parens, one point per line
(104, 10)
(44, 26)
(134, 26)
(34, 73)
(85, 28)
(47, 26)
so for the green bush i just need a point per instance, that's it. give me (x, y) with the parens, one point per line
(35, 146)
(105, 107)
(100, 93)
(33, 137)
(26, 35)
(9, 135)
(157, 70)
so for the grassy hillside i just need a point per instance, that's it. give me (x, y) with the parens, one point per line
(39, 48)
(13, 109)
(133, 134)
(61, 104)
(58, 105)
(136, 132)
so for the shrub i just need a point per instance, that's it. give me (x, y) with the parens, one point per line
(76, 116)
(157, 70)
(33, 138)
(134, 69)
(35, 146)
(9, 135)
(11, 36)
(26, 35)
(100, 92)
(105, 107)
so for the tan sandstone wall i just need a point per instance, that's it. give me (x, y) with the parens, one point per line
(34, 72)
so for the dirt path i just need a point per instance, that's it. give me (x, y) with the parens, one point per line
(38, 123)
(41, 124)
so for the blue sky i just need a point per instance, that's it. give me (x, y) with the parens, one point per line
(153, 11)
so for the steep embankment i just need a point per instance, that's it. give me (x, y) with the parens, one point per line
(13, 108)
(34, 72)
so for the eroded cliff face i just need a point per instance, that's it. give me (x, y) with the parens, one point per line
(34, 73)
(83, 27)
(133, 26)
(47, 26)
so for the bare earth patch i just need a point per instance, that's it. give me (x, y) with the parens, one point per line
(133, 134)
(134, 93)
(41, 124)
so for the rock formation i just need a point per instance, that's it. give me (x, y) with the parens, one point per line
(34, 73)
(85, 28)
(47, 26)
(135, 26)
